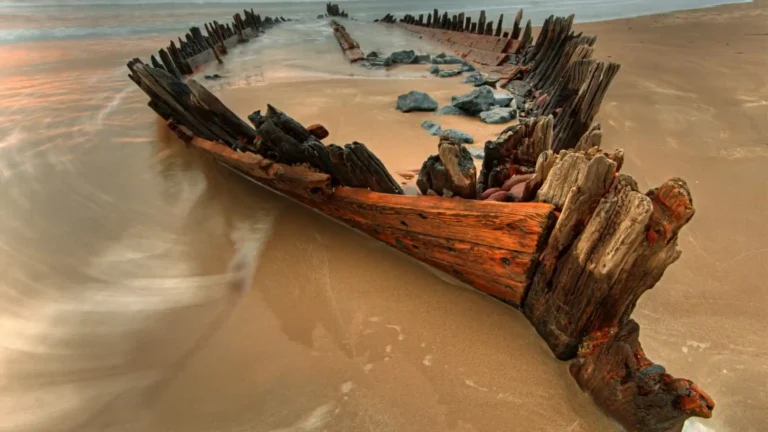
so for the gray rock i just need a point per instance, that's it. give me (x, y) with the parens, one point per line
(434, 70)
(443, 58)
(450, 110)
(457, 136)
(478, 100)
(520, 88)
(372, 54)
(476, 79)
(498, 115)
(423, 58)
(375, 62)
(502, 99)
(466, 67)
(491, 80)
(449, 73)
(320, 16)
(431, 127)
(520, 103)
(416, 101)
(403, 57)
(477, 153)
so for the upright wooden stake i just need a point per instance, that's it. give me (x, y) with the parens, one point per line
(481, 23)
(516, 25)
(498, 26)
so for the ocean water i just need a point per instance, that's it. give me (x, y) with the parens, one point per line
(23, 20)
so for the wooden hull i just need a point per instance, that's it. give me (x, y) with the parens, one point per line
(575, 255)
(489, 245)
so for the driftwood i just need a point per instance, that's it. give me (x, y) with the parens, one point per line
(612, 367)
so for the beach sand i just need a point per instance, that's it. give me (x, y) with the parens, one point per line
(292, 322)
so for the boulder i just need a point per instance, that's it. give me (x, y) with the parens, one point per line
(443, 58)
(423, 58)
(520, 103)
(477, 153)
(478, 100)
(375, 62)
(520, 88)
(492, 80)
(502, 99)
(449, 73)
(431, 127)
(434, 70)
(318, 131)
(403, 57)
(372, 54)
(498, 115)
(450, 110)
(456, 136)
(449, 173)
(475, 78)
(320, 16)
(466, 67)
(416, 101)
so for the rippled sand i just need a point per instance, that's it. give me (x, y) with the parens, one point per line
(146, 289)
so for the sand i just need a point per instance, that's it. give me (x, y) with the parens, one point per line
(205, 303)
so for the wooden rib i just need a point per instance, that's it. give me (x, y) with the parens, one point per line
(514, 227)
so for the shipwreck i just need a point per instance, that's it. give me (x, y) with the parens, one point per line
(549, 224)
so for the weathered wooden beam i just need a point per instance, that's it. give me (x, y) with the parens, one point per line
(168, 63)
(498, 25)
(516, 25)
(481, 23)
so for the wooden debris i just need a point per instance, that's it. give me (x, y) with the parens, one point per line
(612, 367)
(349, 46)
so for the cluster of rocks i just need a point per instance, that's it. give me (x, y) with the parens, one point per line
(491, 107)
(374, 59)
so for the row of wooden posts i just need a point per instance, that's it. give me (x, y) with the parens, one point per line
(461, 23)
(197, 48)
(333, 10)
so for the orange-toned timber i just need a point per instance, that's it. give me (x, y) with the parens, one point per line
(489, 245)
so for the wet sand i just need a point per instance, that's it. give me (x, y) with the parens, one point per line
(205, 303)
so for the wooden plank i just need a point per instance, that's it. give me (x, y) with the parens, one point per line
(493, 261)
(513, 226)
